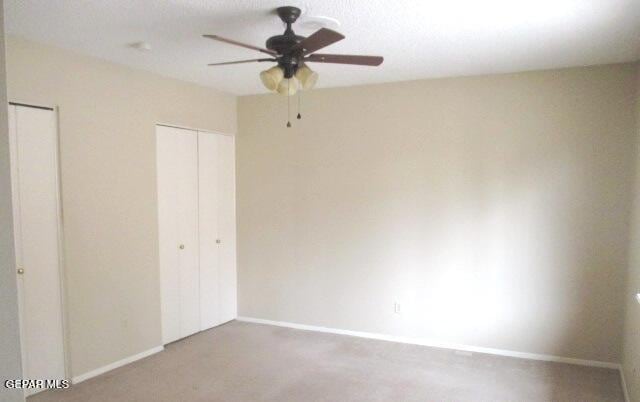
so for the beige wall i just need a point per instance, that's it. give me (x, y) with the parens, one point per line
(10, 364)
(495, 209)
(107, 115)
(631, 348)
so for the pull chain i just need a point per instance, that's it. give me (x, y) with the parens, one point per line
(299, 102)
(288, 102)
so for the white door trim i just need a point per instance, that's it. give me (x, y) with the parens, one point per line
(60, 237)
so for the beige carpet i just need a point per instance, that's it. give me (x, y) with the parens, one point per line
(251, 362)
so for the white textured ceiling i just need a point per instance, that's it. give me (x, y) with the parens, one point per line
(418, 38)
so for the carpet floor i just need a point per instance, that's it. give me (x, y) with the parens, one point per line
(252, 362)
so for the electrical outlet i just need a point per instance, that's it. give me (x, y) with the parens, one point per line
(397, 308)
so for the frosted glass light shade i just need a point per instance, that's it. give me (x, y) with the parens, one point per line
(288, 87)
(272, 77)
(307, 77)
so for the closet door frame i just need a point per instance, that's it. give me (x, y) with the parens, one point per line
(60, 241)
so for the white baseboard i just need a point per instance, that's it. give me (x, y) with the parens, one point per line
(426, 342)
(114, 365)
(627, 398)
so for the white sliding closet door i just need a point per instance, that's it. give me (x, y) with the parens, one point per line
(217, 229)
(177, 157)
(34, 183)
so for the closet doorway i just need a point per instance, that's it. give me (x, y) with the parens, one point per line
(197, 235)
(33, 143)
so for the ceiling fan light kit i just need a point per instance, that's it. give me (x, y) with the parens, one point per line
(292, 52)
(271, 78)
(288, 87)
(307, 77)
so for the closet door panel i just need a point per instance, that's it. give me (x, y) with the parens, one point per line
(227, 228)
(34, 166)
(187, 209)
(168, 169)
(208, 210)
(177, 156)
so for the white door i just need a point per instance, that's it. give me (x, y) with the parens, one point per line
(34, 182)
(227, 228)
(196, 209)
(208, 161)
(177, 167)
(216, 159)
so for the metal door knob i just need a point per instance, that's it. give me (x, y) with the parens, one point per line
(20, 271)
(181, 247)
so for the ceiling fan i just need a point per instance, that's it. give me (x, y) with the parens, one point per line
(292, 52)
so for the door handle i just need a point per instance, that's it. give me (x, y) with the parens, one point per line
(218, 241)
(20, 271)
(181, 247)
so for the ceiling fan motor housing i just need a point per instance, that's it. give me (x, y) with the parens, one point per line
(290, 60)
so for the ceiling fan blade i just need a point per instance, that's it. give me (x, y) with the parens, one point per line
(240, 62)
(345, 59)
(319, 39)
(233, 42)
